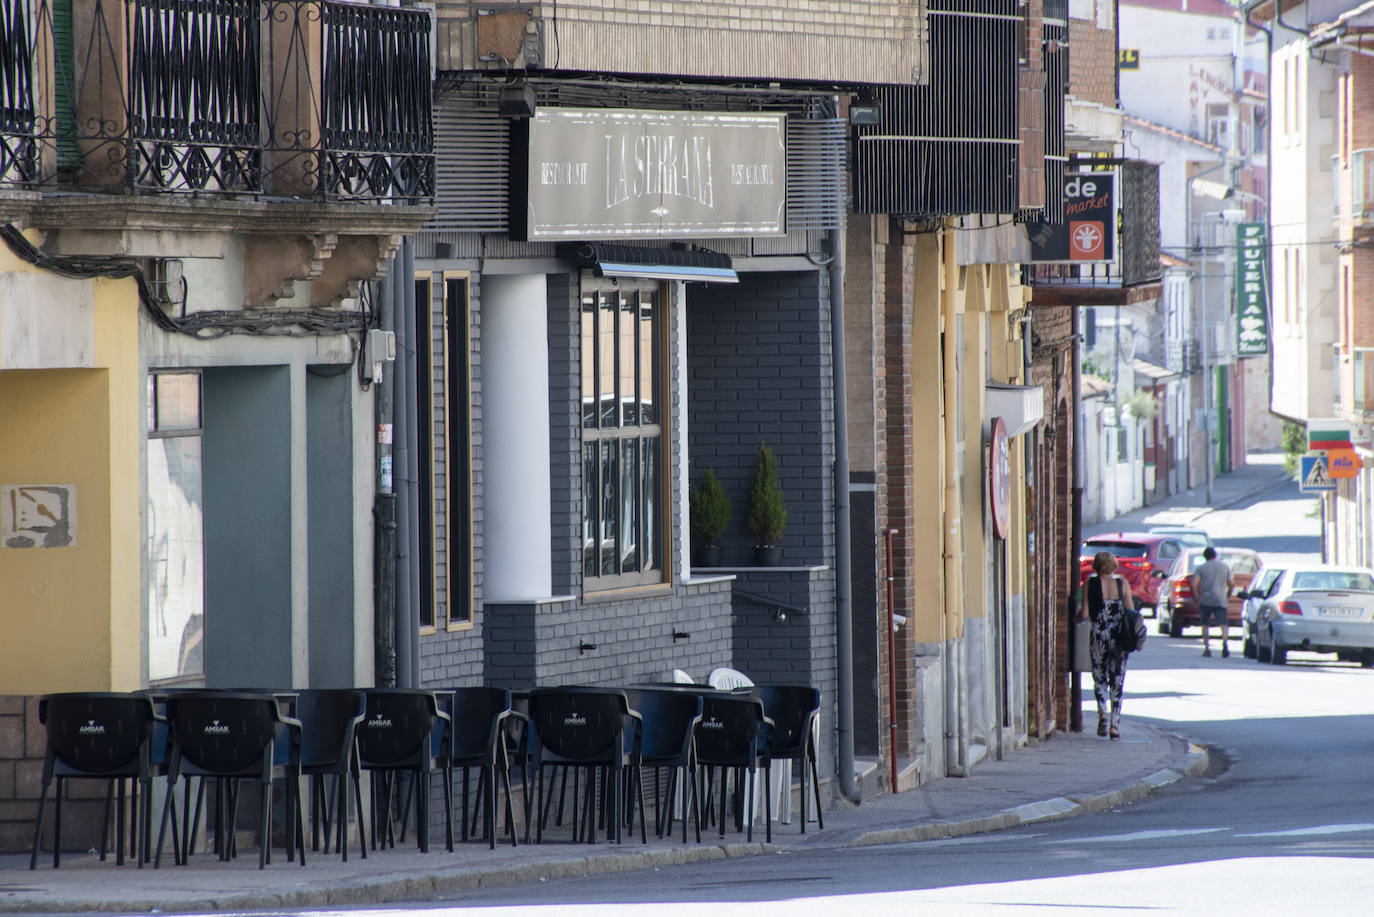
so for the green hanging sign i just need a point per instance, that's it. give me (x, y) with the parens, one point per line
(1252, 291)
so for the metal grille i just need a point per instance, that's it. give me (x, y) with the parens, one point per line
(1056, 88)
(18, 151)
(816, 174)
(951, 146)
(472, 186)
(1140, 226)
(193, 95)
(378, 132)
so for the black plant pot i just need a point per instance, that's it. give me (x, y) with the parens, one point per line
(708, 556)
(769, 555)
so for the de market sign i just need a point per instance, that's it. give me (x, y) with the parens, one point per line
(605, 173)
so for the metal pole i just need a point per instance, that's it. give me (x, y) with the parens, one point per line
(1076, 523)
(1206, 383)
(891, 662)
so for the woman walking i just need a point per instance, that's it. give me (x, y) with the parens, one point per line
(1106, 598)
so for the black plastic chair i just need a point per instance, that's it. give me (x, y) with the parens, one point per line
(329, 722)
(729, 736)
(668, 740)
(98, 736)
(794, 710)
(231, 737)
(405, 732)
(479, 732)
(583, 730)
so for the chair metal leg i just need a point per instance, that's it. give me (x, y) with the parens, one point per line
(38, 827)
(57, 826)
(816, 784)
(105, 821)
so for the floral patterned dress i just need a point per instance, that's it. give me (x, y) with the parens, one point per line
(1109, 662)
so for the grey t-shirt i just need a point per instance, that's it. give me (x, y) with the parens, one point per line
(1211, 580)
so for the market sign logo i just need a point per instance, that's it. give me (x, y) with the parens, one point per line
(1089, 230)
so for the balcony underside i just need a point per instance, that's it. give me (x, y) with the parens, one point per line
(1064, 294)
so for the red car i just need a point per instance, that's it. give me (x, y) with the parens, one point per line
(1141, 557)
(1178, 607)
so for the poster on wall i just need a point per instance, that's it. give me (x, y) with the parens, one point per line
(1252, 291)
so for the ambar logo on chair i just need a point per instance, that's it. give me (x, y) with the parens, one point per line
(92, 728)
(574, 719)
(216, 729)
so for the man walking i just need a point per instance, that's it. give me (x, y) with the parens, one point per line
(1211, 583)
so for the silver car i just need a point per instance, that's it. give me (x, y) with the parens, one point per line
(1319, 608)
(1265, 584)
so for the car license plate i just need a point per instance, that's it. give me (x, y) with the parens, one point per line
(1339, 611)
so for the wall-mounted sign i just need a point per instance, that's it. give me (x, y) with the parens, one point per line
(606, 173)
(1343, 463)
(1128, 59)
(1252, 291)
(1089, 230)
(999, 478)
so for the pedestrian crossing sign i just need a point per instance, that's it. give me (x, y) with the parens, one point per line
(1315, 477)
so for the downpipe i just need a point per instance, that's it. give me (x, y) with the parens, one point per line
(844, 624)
(956, 735)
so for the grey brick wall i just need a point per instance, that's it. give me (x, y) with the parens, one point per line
(759, 370)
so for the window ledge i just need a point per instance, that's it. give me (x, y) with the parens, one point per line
(533, 600)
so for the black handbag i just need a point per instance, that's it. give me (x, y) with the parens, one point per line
(1130, 630)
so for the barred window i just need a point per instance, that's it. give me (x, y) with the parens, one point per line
(622, 434)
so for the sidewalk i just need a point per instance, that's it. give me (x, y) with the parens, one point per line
(1262, 472)
(1066, 775)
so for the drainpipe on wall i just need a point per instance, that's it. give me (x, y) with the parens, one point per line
(405, 293)
(844, 624)
(956, 740)
(384, 517)
(402, 442)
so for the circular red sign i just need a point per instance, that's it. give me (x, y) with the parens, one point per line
(999, 478)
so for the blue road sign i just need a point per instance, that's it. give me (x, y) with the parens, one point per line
(1315, 477)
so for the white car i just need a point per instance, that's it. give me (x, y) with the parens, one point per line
(1319, 608)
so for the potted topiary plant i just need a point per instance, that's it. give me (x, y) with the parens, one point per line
(767, 514)
(710, 508)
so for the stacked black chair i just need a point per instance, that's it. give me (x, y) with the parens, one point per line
(404, 732)
(232, 737)
(98, 736)
(670, 718)
(794, 710)
(731, 733)
(583, 730)
(329, 720)
(479, 742)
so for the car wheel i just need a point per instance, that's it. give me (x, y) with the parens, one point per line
(1278, 655)
(1367, 659)
(1248, 648)
(1262, 652)
(1175, 627)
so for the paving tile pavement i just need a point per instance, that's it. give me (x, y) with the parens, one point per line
(1065, 775)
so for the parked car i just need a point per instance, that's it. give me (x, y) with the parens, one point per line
(1265, 583)
(1320, 608)
(1191, 538)
(1178, 606)
(1141, 560)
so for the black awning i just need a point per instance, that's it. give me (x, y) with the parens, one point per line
(611, 260)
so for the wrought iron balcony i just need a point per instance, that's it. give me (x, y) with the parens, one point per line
(1134, 273)
(309, 99)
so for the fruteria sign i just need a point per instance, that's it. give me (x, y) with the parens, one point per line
(1252, 291)
(1088, 232)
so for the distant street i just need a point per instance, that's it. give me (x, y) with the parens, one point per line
(1283, 823)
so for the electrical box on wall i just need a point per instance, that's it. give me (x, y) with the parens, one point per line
(380, 348)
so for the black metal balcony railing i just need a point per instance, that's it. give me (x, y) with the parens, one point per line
(297, 98)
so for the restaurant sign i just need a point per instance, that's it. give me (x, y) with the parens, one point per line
(1088, 232)
(1252, 291)
(606, 173)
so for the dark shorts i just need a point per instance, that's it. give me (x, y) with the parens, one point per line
(1213, 614)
